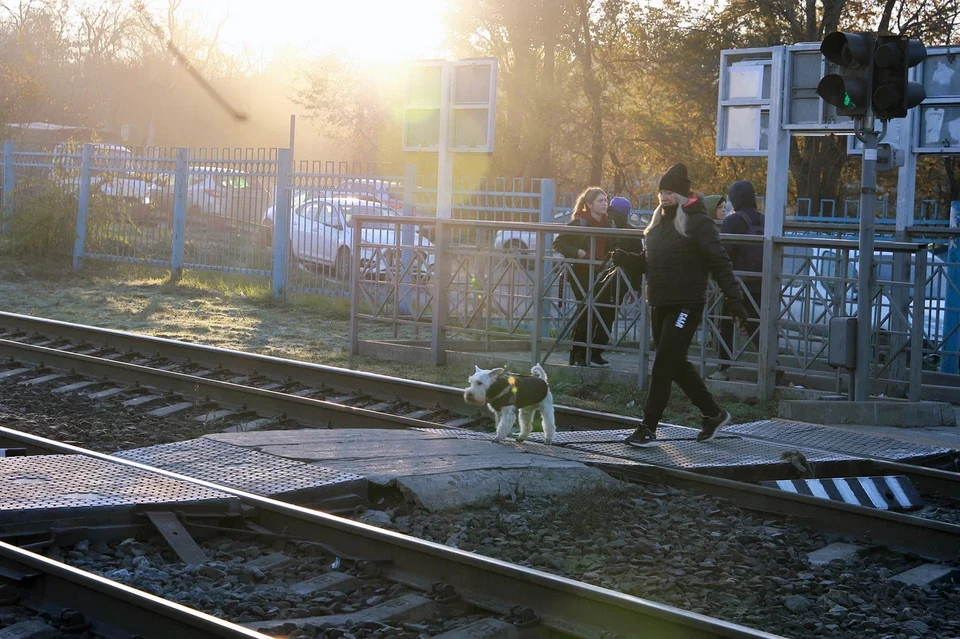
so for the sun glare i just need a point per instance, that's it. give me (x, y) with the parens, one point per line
(369, 30)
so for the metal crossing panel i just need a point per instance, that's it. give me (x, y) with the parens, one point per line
(249, 470)
(819, 437)
(41, 487)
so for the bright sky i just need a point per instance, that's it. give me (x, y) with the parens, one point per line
(372, 30)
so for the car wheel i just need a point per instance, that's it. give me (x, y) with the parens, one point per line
(343, 263)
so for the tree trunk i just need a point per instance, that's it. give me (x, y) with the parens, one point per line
(591, 90)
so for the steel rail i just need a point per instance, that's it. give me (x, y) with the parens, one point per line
(902, 532)
(306, 373)
(320, 413)
(113, 609)
(562, 604)
(906, 533)
(312, 412)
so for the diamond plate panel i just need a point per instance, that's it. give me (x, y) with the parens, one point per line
(458, 433)
(54, 482)
(664, 432)
(242, 468)
(834, 439)
(690, 454)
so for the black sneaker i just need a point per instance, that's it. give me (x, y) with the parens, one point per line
(598, 362)
(642, 437)
(578, 357)
(712, 425)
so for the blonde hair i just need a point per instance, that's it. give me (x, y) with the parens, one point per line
(588, 196)
(680, 220)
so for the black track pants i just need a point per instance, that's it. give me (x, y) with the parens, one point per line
(673, 330)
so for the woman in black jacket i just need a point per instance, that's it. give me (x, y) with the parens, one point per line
(590, 210)
(682, 250)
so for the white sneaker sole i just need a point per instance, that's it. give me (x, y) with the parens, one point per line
(723, 424)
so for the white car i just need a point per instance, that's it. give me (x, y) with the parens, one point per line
(322, 230)
(113, 172)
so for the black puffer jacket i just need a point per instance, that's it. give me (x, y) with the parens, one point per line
(678, 266)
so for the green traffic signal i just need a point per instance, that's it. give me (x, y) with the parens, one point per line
(849, 87)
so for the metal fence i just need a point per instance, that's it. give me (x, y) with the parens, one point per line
(495, 298)
(223, 210)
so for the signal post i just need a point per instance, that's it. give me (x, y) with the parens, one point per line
(871, 83)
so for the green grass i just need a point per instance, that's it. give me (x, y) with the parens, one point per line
(239, 312)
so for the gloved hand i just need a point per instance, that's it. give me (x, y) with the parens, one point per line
(636, 262)
(620, 258)
(739, 313)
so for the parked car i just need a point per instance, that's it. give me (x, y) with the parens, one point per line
(114, 173)
(214, 195)
(322, 230)
(386, 192)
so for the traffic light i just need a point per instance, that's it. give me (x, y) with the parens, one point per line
(850, 89)
(893, 94)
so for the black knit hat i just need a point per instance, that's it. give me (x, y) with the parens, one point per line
(676, 180)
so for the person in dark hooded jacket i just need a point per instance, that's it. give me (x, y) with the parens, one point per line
(746, 258)
(683, 250)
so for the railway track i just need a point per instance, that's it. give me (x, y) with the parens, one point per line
(429, 580)
(40, 596)
(247, 391)
(243, 389)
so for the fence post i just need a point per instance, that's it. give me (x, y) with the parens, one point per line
(9, 183)
(539, 292)
(769, 318)
(354, 287)
(915, 375)
(407, 237)
(951, 314)
(548, 198)
(438, 329)
(281, 224)
(83, 205)
(180, 182)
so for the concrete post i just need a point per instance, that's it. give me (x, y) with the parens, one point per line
(354, 290)
(407, 235)
(180, 182)
(548, 199)
(281, 225)
(83, 205)
(775, 204)
(905, 211)
(445, 155)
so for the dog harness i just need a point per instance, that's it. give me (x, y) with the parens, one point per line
(521, 391)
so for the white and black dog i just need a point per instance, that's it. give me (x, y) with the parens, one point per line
(506, 393)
